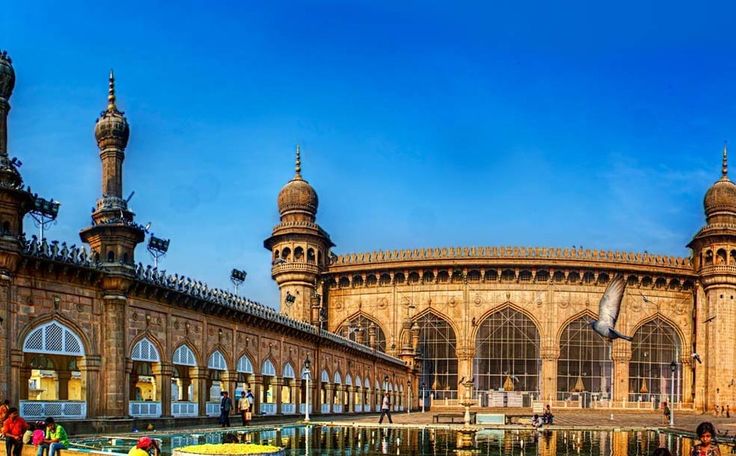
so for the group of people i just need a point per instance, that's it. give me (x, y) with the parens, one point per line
(244, 407)
(546, 418)
(48, 436)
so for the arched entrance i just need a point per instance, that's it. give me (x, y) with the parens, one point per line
(245, 379)
(52, 383)
(216, 383)
(184, 395)
(655, 346)
(437, 344)
(507, 359)
(337, 398)
(325, 392)
(358, 396)
(268, 398)
(584, 367)
(363, 330)
(288, 380)
(145, 397)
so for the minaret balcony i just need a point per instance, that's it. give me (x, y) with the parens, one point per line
(280, 268)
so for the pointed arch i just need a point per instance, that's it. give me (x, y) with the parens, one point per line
(665, 319)
(655, 345)
(437, 314)
(507, 351)
(145, 350)
(324, 376)
(438, 350)
(216, 361)
(585, 313)
(53, 338)
(358, 324)
(584, 364)
(348, 379)
(337, 378)
(501, 307)
(245, 365)
(184, 356)
(267, 368)
(288, 371)
(358, 382)
(32, 327)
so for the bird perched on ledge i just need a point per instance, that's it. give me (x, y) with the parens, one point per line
(609, 308)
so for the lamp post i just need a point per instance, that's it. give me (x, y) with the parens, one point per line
(307, 365)
(422, 399)
(408, 396)
(673, 369)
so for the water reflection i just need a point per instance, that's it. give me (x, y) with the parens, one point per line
(348, 440)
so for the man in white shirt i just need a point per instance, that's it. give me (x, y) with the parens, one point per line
(244, 408)
(386, 409)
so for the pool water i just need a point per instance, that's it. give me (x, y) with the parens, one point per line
(348, 440)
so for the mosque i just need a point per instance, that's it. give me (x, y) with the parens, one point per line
(88, 333)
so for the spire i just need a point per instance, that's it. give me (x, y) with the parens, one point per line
(724, 168)
(298, 162)
(111, 93)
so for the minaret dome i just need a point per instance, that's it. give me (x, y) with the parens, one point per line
(112, 128)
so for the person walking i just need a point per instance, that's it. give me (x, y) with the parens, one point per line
(386, 409)
(226, 405)
(55, 439)
(665, 413)
(13, 429)
(244, 408)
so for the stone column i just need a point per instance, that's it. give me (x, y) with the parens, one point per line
(17, 378)
(351, 398)
(199, 380)
(163, 372)
(465, 367)
(63, 378)
(257, 393)
(90, 368)
(329, 397)
(25, 376)
(548, 387)
(686, 379)
(114, 343)
(621, 355)
(277, 383)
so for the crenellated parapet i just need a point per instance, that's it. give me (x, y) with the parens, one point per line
(506, 253)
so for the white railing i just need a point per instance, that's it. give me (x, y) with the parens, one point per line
(144, 408)
(57, 409)
(288, 409)
(303, 408)
(337, 408)
(182, 408)
(367, 407)
(325, 408)
(212, 409)
(268, 408)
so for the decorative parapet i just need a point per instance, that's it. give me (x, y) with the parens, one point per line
(522, 253)
(80, 256)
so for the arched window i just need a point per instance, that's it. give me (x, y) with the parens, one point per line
(53, 338)
(217, 361)
(325, 377)
(584, 364)
(268, 369)
(655, 345)
(507, 352)
(348, 380)
(359, 329)
(289, 371)
(145, 351)
(184, 356)
(337, 379)
(244, 365)
(437, 344)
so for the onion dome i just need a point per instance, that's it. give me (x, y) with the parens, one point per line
(7, 75)
(112, 128)
(297, 196)
(720, 199)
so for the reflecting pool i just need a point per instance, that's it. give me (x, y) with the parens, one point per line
(348, 440)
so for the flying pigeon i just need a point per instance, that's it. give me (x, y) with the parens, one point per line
(696, 357)
(709, 319)
(609, 308)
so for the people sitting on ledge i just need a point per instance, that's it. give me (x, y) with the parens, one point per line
(547, 418)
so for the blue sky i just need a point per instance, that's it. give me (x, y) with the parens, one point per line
(422, 124)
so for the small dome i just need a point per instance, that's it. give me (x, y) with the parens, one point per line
(112, 128)
(7, 75)
(297, 196)
(720, 199)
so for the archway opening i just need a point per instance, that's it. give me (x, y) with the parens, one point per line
(584, 367)
(145, 378)
(437, 351)
(655, 346)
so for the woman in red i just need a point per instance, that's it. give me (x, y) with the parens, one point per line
(13, 429)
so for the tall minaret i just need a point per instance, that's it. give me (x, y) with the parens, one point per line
(113, 235)
(299, 249)
(714, 260)
(14, 201)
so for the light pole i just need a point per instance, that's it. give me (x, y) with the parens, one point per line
(422, 399)
(673, 368)
(307, 365)
(408, 396)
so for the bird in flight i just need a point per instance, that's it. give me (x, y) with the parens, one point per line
(608, 309)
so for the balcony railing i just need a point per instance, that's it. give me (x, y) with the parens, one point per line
(325, 408)
(303, 408)
(288, 409)
(183, 408)
(144, 408)
(212, 408)
(268, 408)
(337, 408)
(58, 409)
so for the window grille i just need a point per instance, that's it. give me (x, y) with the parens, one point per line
(337, 379)
(217, 361)
(585, 363)
(268, 369)
(437, 344)
(144, 350)
(358, 383)
(361, 323)
(655, 345)
(245, 366)
(184, 356)
(53, 338)
(289, 371)
(348, 380)
(325, 378)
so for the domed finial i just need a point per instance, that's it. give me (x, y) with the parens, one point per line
(298, 161)
(724, 167)
(111, 93)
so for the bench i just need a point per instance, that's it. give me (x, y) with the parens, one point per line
(490, 418)
(451, 416)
